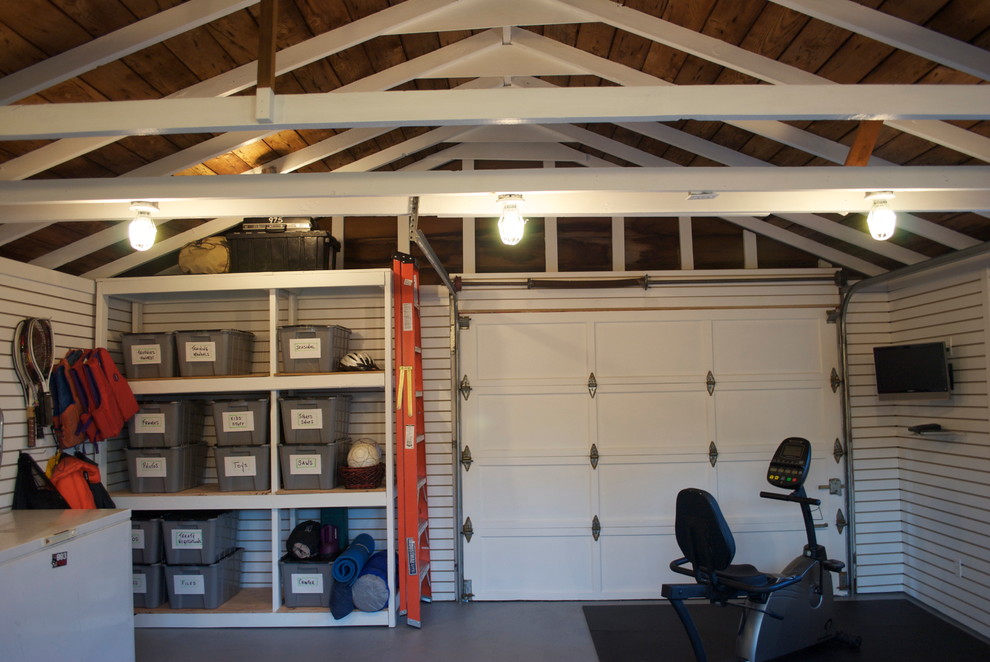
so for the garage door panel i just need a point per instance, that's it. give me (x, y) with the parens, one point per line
(653, 421)
(643, 494)
(531, 567)
(529, 496)
(655, 350)
(760, 418)
(534, 352)
(635, 566)
(529, 423)
(788, 348)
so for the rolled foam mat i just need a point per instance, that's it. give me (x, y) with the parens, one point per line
(370, 590)
(348, 565)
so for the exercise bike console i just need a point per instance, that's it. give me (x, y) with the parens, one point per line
(789, 466)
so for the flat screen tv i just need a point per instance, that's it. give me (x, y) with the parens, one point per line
(919, 371)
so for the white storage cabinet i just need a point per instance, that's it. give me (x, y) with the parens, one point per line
(261, 303)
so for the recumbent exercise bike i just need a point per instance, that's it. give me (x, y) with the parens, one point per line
(783, 612)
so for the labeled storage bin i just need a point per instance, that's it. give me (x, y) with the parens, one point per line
(214, 352)
(243, 468)
(282, 251)
(199, 537)
(166, 424)
(146, 539)
(148, 585)
(308, 467)
(204, 586)
(148, 354)
(305, 584)
(165, 469)
(241, 422)
(312, 348)
(314, 420)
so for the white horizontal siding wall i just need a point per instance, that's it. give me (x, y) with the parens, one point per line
(27, 291)
(922, 503)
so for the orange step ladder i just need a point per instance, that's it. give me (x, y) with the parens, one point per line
(410, 443)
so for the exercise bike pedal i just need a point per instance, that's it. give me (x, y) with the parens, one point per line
(833, 565)
(854, 641)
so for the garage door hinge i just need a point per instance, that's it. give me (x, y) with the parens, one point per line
(594, 456)
(838, 452)
(596, 528)
(592, 385)
(467, 530)
(466, 459)
(835, 381)
(465, 387)
(712, 453)
(710, 382)
(840, 520)
(463, 322)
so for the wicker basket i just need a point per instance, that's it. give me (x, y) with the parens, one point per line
(362, 478)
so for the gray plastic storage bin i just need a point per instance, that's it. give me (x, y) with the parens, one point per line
(166, 424)
(204, 586)
(241, 422)
(312, 348)
(214, 352)
(305, 584)
(148, 354)
(165, 469)
(308, 467)
(314, 420)
(243, 468)
(146, 540)
(148, 585)
(199, 537)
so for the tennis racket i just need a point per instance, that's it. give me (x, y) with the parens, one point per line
(19, 356)
(41, 351)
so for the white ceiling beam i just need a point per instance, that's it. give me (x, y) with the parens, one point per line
(115, 45)
(12, 231)
(762, 68)
(163, 247)
(481, 14)
(502, 106)
(511, 151)
(896, 32)
(239, 79)
(802, 189)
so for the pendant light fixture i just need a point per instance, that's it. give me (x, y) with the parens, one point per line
(881, 219)
(511, 222)
(142, 229)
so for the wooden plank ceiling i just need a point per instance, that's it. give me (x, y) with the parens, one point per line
(636, 72)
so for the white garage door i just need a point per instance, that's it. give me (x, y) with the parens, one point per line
(549, 391)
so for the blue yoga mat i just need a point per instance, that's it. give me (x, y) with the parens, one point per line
(348, 565)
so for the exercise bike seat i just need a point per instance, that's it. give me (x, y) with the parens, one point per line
(706, 541)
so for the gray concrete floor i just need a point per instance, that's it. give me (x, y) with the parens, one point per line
(451, 632)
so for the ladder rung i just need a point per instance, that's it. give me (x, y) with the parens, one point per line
(423, 526)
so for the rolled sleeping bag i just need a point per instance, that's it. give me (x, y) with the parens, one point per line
(347, 566)
(370, 590)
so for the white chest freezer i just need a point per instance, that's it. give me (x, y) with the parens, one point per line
(65, 586)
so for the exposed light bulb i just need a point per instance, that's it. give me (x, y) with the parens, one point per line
(142, 231)
(511, 223)
(881, 220)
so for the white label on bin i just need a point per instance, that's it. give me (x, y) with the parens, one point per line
(307, 583)
(201, 351)
(237, 421)
(305, 465)
(187, 539)
(137, 538)
(189, 585)
(149, 423)
(243, 465)
(306, 419)
(151, 467)
(139, 583)
(146, 354)
(304, 348)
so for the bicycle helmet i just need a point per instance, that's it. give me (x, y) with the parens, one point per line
(358, 361)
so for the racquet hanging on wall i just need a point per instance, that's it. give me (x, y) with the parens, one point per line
(41, 352)
(20, 358)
